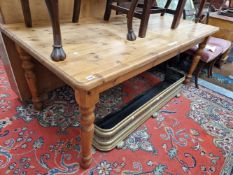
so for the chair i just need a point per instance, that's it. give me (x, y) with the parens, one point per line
(58, 53)
(142, 10)
(225, 45)
(216, 48)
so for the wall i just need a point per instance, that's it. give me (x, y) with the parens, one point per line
(11, 11)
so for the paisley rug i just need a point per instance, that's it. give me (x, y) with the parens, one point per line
(192, 134)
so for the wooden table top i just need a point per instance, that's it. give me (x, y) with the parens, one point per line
(216, 15)
(98, 52)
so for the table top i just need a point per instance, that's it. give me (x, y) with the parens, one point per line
(216, 15)
(98, 52)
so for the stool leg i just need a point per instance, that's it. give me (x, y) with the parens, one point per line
(131, 35)
(196, 60)
(26, 12)
(145, 17)
(166, 7)
(76, 11)
(58, 53)
(222, 59)
(198, 70)
(178, 14)
(108, 9)
(210, 68)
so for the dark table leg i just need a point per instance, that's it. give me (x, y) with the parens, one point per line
(202, 4)
(76, 11)
(166, 7)
(26, 13)
(131, 35)
(108, 9)
(58, 53)
(145, 17)
(178, 14)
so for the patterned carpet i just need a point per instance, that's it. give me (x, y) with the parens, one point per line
(191, 135)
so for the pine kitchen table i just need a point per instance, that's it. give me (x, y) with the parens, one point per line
(98, 57)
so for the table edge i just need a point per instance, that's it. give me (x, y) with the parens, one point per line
(99, 82)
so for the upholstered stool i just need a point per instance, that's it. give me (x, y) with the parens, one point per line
(142, 9)
(208, 57)
(222, 47)
(226, 47)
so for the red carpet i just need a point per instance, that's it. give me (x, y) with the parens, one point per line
(191, 135)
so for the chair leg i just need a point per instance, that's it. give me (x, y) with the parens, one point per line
(145, 17)
(117, 12)
(131, 35)
(166, 7)
(198, 70)
(26, 13)
(108, 9)
(222, 59)
(210, 68)
(58, 53)
(178, 14)
(76, 11)
(198, 16)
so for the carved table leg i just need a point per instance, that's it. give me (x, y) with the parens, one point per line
(26, 13)
(76, 11)
(145, 17)
(201, 7)
(195, 61)
(131, 35)
(108, 9)
(166, 7)
(178, 14)
(58, 53)
(30, 76)
(86, 101)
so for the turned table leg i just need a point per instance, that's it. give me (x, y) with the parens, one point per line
(76, 11)
(30, 76)
(26, 13)
(195, 61)
(58, 53)
(178, 14)
(86, 102)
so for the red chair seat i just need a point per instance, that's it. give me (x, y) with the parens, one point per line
(207, 55)
(224, 44)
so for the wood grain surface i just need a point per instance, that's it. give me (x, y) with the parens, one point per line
(98, 52)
